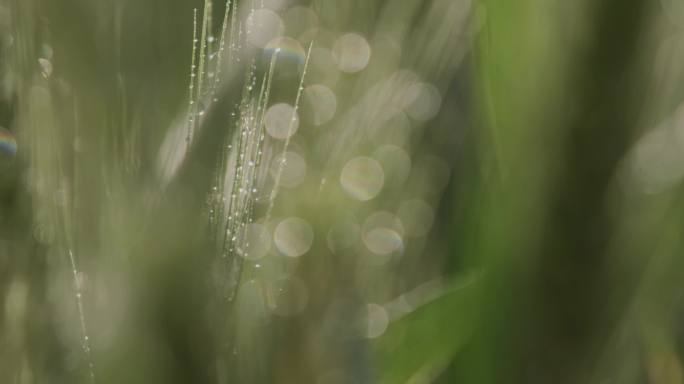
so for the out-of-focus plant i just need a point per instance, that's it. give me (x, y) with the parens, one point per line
(274, 191)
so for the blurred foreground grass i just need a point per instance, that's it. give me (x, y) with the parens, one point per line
(341, 191)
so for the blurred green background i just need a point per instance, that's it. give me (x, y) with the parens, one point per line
(328, 192)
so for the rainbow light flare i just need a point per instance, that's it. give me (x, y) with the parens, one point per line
(288, 49)
(8, 143)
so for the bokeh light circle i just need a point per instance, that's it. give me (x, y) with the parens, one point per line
(321, 103)
(293, 169)
(293, 237)
(422, 101)
(362, 178)
(290, 53)
(351, 52)
(343, 234)
(417, 217)
(377, 321)
(264, 26)
(281, 121)
(256, 241)
(396, 164)
(288, 296)
(382, 233)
